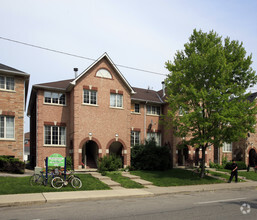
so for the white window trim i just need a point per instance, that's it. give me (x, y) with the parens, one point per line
(55, 145)
(89, 104)
(56, 104)
(5, 138)
(134, 139)
(227, 151)
(155, 135)
(116, 101)
(134, 112)
(151, 114)
(5, 84)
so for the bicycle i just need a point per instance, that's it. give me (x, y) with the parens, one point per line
(58, 182)
(39, 179)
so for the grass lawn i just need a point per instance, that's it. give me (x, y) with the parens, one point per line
(124, 181)
(219, 175)
(225, 176)
(18, 185)
(175, 177)
(224, 170)
(251, 175)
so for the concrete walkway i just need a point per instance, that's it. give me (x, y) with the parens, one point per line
(107, 180)
(137, 179)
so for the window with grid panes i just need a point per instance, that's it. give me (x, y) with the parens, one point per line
(116, 100)
(90, 97)
(55, 135)
(6, 83)
(54, 98)
(135, 138)
(6, 127)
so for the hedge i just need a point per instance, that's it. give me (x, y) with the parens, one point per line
(150, 157)
(240, 165)
(11, 165)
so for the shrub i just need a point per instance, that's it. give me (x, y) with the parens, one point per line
(150, 157)
(11, 165)
(69, 163)
(224, 160)
(240, 165)
(215, 165)
(109, 163)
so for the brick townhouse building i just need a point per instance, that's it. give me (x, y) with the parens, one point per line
(98, 113)
(13, 95)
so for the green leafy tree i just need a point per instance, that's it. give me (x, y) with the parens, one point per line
(206, 92)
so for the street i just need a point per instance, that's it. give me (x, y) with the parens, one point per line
(222, 204)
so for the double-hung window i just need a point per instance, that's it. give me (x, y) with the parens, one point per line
(55, 135)
(154, 136)
(153, 110)
(135, 138)
(135, 108)
(54, 98)
(6, 127)
(6, 83)
(227, 147)
(116, 100)
(90, 97)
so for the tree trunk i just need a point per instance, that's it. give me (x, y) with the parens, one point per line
(202, 174)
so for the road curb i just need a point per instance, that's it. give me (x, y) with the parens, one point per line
(53, 197)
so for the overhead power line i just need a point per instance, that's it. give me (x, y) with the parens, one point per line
(77, 56)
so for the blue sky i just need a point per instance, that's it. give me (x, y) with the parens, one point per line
(142, 34)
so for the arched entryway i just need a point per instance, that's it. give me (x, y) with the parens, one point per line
(116, 148)
(197, 157)
(252, 157)
(90, 154)
(182, 156)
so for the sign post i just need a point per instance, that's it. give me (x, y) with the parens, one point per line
(56, 160)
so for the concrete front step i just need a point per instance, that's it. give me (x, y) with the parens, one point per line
(143, 182)
(110, 182)
(137, 179)
(88, 170)
(105, 179)
(130, 176)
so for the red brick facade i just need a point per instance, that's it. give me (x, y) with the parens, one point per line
(12, 104)
(95, 129)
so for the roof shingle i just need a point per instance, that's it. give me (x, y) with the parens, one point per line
(8, 68)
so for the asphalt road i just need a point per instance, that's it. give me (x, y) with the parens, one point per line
(222, 205)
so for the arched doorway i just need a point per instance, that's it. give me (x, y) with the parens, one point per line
(182, 156)
(252, 157)
(197, 157)
(116, 148)
(90, 154)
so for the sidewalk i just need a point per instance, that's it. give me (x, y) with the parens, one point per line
(39, 198)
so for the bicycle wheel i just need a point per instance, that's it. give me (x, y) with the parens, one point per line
(36, 180)
(57, 182)
(76, 183)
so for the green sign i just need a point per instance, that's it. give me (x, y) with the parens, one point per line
(56, 160)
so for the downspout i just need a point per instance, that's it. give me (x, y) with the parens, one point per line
(24, 109)
(36, 129)
(145, 121)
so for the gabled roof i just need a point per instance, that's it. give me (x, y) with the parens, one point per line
(14, 72)
(59, 85)
(10, 69)
(105, 55)
(146, 95)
